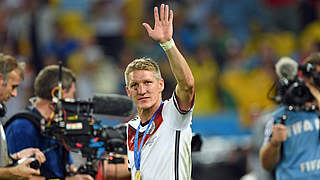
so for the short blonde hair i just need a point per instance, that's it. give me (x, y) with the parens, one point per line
(142, 64)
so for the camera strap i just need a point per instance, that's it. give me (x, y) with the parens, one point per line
(31, 115)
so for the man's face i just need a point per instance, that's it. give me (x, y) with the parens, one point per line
(144, 88)
(310, 80)
(9, 89)
(70, 94)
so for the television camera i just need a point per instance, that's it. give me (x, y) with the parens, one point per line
(292, 90)
(75, 127)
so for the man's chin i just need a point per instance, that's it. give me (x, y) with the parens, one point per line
(145, 106)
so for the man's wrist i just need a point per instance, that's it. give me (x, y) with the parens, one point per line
(15, 156)
(275, 144)
(167, 45)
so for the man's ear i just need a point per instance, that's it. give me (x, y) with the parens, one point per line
(1, 79)
(161, 84)
(128, 92)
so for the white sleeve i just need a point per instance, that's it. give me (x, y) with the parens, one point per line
(173, 116)
(268, 131)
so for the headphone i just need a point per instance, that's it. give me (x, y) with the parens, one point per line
(3, 109)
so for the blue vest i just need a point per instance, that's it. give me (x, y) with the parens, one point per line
(300, 158)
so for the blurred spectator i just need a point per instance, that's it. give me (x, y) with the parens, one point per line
(96, 72)
(256, 172)
(283, 14)
(60, 47)
(237, 15)
(109, 23)
(247, 86)
(206, 84)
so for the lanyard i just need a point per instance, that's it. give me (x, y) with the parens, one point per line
(137, 155)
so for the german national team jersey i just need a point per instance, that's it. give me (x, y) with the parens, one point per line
(166, 151)
(300, 156)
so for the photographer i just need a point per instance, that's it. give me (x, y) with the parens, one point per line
(11, 73)
(292, 139)
(24, 132)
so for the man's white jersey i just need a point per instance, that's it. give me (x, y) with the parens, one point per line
(166, 151)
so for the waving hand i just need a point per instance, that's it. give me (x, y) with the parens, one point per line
(163, 27)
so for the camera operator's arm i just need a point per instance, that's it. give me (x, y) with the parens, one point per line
(314, 91)
(21, 171)
(270, 153)
(117, 170)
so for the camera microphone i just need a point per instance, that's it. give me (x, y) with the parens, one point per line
(103, 104)
(286, 68)
(113, 104)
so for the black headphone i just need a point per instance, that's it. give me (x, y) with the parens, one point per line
(3, 109)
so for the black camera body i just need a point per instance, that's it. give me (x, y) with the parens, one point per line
(77, 129)
(294, 92)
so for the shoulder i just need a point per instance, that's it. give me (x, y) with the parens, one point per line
(134, 123)
(279, 111)
(173, 105)
(20, 122)
(20, 125)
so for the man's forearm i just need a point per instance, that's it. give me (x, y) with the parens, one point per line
(8, 173)
(37, 178)
(270, 156)
(5, 173)
(182, 73)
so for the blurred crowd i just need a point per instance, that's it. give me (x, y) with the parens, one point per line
(231, 45)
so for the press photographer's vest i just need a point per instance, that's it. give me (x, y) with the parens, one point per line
(300, 158)
(33, 116)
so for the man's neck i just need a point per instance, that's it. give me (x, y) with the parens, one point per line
(146, 114)
(42, 106)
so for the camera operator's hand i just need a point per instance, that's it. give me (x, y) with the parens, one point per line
(23, 171)
(279, 135)
(38, 155)
(314, 91)
(80, 177)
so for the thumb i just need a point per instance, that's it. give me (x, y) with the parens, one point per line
(31, 170)
(28, 161)
(147, 27)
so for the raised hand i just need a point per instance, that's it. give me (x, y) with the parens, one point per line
(279, 134)
(163, 26)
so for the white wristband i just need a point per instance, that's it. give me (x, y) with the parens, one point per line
(167, 45)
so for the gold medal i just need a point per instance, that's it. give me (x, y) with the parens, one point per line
(138, 175)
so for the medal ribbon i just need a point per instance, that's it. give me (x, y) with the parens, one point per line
(137, 155)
